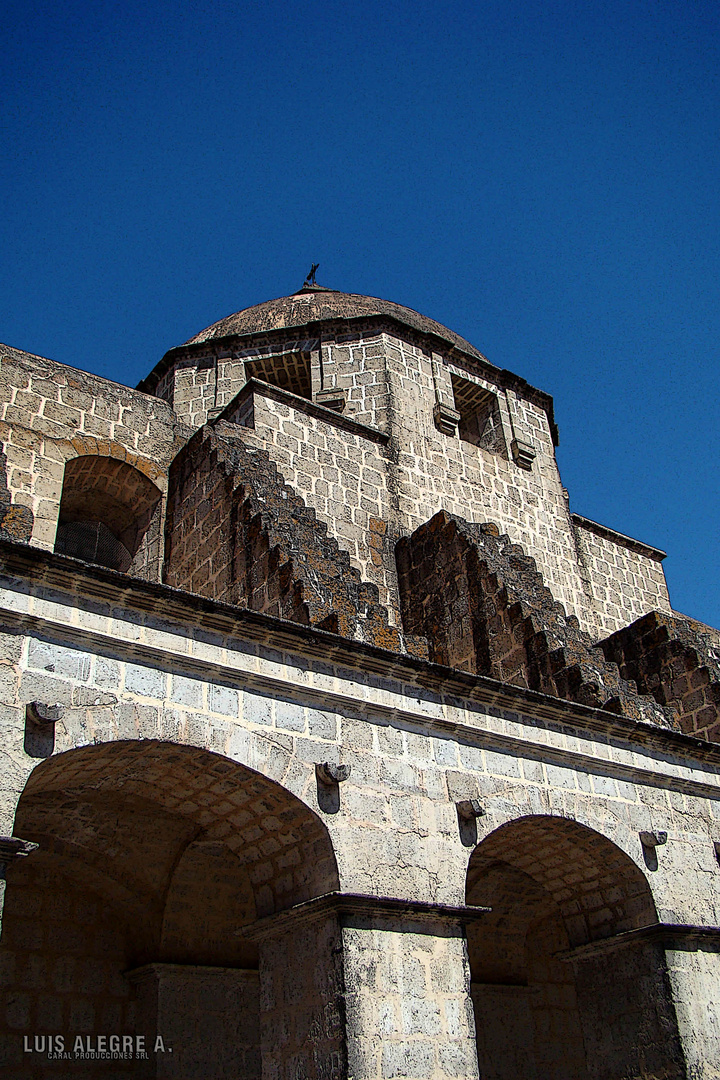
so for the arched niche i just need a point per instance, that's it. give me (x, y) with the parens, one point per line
(110, 515)
(557, 988)
(153, 860)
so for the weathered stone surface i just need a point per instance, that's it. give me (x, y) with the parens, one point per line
(16, 522)
(476, 892)
(236, 532)
(676, 660)
(484, 608)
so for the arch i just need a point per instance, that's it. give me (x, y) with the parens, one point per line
(153, 857)
(91, 446)
(547, 1003)
(110, 514)
(213, 800)
(564, 858)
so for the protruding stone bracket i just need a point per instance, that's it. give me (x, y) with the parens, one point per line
(446, 418)
(42, 714)
(653, 839)
(12, 848)
(469, 809)
(333, 398)
(524, 453)
(329, 772)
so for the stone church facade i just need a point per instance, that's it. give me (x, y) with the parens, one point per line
(334, 746)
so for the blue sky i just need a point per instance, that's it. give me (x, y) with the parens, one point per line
(541, 177)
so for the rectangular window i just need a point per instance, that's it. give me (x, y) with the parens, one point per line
(479, 415)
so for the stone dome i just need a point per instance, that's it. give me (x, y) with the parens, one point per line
(316, 304)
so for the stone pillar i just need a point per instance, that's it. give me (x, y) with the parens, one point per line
(648, 1003)
(301, 995)
(198, 1021)
(366, 988)
(12, 848)
(693, 967)
(407, 991)
(317, 382)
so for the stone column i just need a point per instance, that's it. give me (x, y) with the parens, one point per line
(198, 1022)
(12, 848)
(648, 1000)
(301, 994)
(693, 967)
(365, 988)
(407, 990)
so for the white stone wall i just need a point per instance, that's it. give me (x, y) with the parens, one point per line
(413, 752)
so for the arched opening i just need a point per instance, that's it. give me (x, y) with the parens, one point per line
(289, 371)
(110, 515)
(128, 918)
(544, 1005)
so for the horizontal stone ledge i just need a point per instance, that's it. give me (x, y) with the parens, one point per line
(510, 989)
(346, 700)
(88, 583)
(160, 969)
(301, 404)
(419, 916)
(684, 937)
(618, 538)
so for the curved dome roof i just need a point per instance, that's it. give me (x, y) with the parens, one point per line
(316, 304)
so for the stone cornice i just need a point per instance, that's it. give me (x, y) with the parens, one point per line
(619, 538)
(444, 346)
(683, 937)
(86, 584)
(363, 907)
(301, 404)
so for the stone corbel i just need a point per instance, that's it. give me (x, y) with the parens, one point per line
(653, 839)
(469, 809)
(523, 453)
(329, 772)
(446, 419)
(42, 714)
(334, 398)
(12, 848)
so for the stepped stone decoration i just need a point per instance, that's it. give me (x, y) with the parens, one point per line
(341, 746)
(485, 609)
(237, 532)
(677, 661)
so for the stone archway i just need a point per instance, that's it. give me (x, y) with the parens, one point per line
(550, 998)
(110, 513)
(129, 917)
